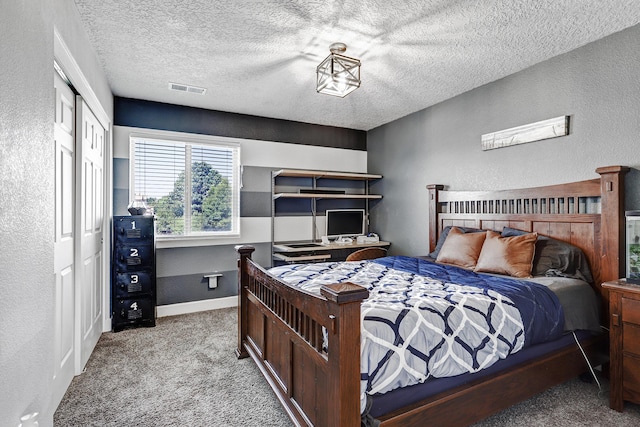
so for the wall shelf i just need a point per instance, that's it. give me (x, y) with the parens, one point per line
(302, 173)
(326, 196)
(310, 193)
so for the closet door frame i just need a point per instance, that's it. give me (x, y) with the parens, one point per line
(80, 83)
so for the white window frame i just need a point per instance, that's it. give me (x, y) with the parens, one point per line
(194, 238)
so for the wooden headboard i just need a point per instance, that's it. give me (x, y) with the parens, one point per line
(587, 214)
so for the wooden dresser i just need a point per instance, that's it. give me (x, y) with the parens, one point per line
(624, 309)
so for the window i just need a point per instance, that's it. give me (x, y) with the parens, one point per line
(192, 186)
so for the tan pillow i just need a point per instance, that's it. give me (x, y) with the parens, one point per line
(507, 255)
(461, 249)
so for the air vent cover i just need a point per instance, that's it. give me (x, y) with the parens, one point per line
(187, 88)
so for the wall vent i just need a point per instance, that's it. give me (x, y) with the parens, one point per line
(187, 88)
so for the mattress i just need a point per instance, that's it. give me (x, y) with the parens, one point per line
(578, 300)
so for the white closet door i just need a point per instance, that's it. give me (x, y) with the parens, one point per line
(90, 209)
(64, 268)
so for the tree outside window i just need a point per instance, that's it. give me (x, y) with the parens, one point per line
(161, 177)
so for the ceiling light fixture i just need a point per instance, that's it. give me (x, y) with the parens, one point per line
(338, 75)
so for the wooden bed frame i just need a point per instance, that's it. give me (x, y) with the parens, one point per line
(281, 327)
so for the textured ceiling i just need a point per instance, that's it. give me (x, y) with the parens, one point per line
(259, 57)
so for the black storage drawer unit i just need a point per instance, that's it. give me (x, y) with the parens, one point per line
(133, 277)
(133, 284)
(133, 228)
(133, 257)
(134, 312)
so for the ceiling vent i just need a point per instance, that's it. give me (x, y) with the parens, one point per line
(187, 88)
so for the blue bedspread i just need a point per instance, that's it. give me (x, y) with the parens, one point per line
(424, 319)
(541, 312)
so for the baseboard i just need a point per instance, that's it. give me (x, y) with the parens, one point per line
(195, 306)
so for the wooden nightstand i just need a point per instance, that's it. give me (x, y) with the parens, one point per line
(624, 309)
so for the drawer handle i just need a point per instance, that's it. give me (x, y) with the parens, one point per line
(615, 319)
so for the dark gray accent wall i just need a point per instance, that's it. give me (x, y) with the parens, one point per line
(255, 204)
(157, 115)
(195, 287)
(597, 85)
(255, 195)
(180, 272)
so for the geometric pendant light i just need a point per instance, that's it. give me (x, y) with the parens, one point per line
(338, 75)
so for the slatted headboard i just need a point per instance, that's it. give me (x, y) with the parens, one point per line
(588, 214)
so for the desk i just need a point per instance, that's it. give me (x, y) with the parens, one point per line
(294, 252)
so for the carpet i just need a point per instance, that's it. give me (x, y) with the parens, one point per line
(184, 372)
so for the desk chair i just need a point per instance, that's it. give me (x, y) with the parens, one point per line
(367, 253)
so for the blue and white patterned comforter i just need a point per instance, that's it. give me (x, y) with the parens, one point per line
(424, 319)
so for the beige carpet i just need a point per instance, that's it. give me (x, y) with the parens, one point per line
(183, 372)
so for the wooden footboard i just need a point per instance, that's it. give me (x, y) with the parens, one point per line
(479, 399)
(281, 328)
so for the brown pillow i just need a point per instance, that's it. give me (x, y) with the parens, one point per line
(507, 255)
(461, 249)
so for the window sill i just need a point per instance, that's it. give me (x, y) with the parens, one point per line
(164, 242)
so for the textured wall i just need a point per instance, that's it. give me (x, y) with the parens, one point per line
(597, 85)
(27, 197)
(71, 29)
(26, 209)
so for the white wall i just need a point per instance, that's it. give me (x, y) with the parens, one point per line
(26, 213)
(27, 196)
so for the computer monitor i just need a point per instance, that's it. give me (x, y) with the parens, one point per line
(345, 222)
